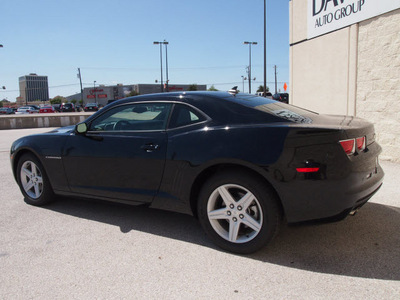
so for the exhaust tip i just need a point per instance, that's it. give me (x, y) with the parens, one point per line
(353, 212)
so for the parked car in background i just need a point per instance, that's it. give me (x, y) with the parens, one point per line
(91, 107)
(282, 97)
(47, 109)
(267, 94)
(67, 107)
(57, 107)
(79, 108)
(6, 111)
(240, 163)
(31, 109)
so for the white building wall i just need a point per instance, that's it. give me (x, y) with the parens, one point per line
(378, 80)
(351, 71)
(322, 78)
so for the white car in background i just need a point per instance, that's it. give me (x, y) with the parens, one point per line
(27, 110)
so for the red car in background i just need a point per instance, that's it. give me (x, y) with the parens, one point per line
(47, 109)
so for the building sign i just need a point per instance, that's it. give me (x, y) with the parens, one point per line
(102, 96)
(324, 16)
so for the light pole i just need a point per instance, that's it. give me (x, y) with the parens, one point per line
(94, 91)
(243, 79)
(265, 48)
(161, 43)
(250, 43)
(166, 63)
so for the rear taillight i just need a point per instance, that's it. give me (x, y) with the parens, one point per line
(307, 170)
(348, 146)
(361, 143)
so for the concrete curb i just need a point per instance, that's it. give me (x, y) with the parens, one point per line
(42, 120)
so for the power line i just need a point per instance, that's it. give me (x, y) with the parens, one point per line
(41, 88)
(175, 68)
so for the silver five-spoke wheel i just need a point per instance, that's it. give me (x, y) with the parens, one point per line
(239, 211)
(235, 213)
(31, 179)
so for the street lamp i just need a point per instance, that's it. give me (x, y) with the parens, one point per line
(166, 63)
(250, 43)
(94, 91)
(162, 43)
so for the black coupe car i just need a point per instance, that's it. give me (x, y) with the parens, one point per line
(91, 107)
(239, 163)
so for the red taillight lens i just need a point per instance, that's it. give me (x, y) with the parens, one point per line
(348, 146)
(307, 170)
(361, 143)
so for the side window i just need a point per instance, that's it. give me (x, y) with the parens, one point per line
(183, 115)
(133, 117)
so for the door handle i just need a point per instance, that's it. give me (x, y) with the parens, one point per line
(150, 147)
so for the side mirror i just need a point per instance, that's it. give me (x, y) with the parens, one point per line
(81, 128)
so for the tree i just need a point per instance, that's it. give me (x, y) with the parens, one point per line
(58, 100)
(261, 89)
(73, 101)
(193, 87)
(212, 88)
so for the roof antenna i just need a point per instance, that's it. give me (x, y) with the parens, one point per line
(233, 91)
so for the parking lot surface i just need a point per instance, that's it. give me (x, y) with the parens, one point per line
(75, 249)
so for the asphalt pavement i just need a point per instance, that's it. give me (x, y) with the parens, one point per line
(75, 249)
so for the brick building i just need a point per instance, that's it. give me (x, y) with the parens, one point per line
(345, 59)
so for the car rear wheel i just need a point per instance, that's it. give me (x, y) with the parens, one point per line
(239, 212)
(33, 181)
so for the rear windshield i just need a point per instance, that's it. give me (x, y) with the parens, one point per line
(279, 109)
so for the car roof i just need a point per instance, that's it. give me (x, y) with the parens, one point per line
(221, 107)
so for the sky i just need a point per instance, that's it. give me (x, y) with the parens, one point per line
(112, 42)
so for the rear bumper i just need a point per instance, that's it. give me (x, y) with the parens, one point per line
(327, 198)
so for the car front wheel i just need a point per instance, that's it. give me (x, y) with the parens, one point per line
(33, 181)
(239, 212)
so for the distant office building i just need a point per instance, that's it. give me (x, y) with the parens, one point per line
(102, 94)
(33, 88)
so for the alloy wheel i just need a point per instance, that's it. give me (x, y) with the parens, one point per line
(31, 179)
(234, 213)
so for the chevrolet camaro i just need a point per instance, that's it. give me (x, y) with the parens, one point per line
(239, 163)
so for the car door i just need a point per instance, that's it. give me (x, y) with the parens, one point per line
(122, 155)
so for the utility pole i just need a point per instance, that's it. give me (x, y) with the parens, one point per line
(166, 64)
(94, 91)
(80, 80)
(265, 48)
(275, 81)
(249, 70)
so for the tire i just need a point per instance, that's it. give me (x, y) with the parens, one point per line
(238, 212)
(33, 181)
